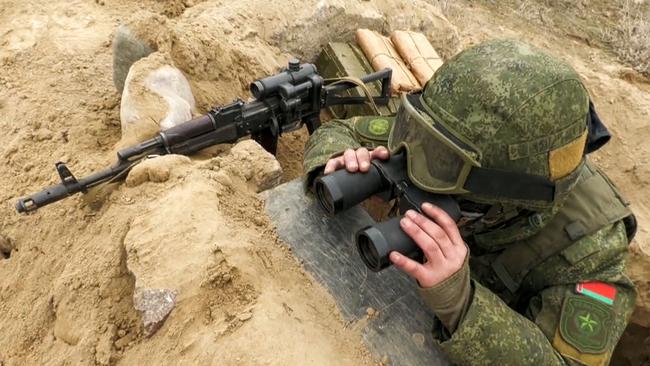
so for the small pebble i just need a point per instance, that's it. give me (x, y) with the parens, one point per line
(371, 312)
(244, 316)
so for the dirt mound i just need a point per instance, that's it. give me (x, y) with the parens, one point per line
(202, 238)
(180, 235)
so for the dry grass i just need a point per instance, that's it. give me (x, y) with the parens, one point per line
(622, 26)
(444, 5)
(631, 38)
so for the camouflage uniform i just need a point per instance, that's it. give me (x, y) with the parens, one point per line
(537, 313)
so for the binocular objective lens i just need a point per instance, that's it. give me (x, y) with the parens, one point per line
(324, 198)
(368, 252)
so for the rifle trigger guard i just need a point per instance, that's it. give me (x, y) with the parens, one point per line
(67, 178)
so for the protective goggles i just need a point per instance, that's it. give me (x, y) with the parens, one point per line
(441, 161)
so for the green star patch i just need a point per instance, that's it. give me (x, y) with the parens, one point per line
(585, 324)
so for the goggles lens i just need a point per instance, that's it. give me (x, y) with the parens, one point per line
(438, 161)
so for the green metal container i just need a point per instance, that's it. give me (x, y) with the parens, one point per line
(340, 59)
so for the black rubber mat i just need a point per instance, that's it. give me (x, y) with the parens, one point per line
(401, 328)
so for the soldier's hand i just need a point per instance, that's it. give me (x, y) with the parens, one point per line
(438, 237)
(356, 160)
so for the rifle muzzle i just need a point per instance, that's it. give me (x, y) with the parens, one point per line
(50, 194)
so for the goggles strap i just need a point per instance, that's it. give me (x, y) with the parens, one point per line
(512, 185)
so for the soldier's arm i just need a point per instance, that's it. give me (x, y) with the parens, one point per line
(336, 136)
(329, 140)
(559, 326)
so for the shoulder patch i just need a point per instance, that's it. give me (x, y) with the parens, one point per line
(379, 126)
(585, 323)
(373, 128)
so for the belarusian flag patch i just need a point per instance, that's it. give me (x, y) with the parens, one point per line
(597, 290)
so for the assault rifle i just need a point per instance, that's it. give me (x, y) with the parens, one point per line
(282, 103)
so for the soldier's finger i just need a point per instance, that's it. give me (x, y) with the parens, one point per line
(407, 265)
(380, 152)
(430, 249)
(434, 231)
(440, 217)
(351, 163)
(363, 158)
(333, 165)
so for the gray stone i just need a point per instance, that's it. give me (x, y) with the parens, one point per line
(156, 97)
(127, 49)
(155, 305)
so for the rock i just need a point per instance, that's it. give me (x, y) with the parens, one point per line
(127, 49)
(141, 35)
(371, 312)
(257, 165)
(157, 170)
(418, 338)
(156, 97)
(6, 246)
(155, 305)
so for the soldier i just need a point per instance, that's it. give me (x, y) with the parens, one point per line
(533, 272)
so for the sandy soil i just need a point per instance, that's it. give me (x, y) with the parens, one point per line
(66, 294)
(70, 271)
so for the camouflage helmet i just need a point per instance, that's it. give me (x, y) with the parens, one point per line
(513, 117)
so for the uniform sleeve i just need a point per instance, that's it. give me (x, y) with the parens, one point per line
(329, 140)
(558, 325)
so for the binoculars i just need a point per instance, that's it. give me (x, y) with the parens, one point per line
(388, 180)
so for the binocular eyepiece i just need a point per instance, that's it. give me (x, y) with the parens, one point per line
(342, 190)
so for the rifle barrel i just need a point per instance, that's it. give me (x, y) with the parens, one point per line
(62, 190)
